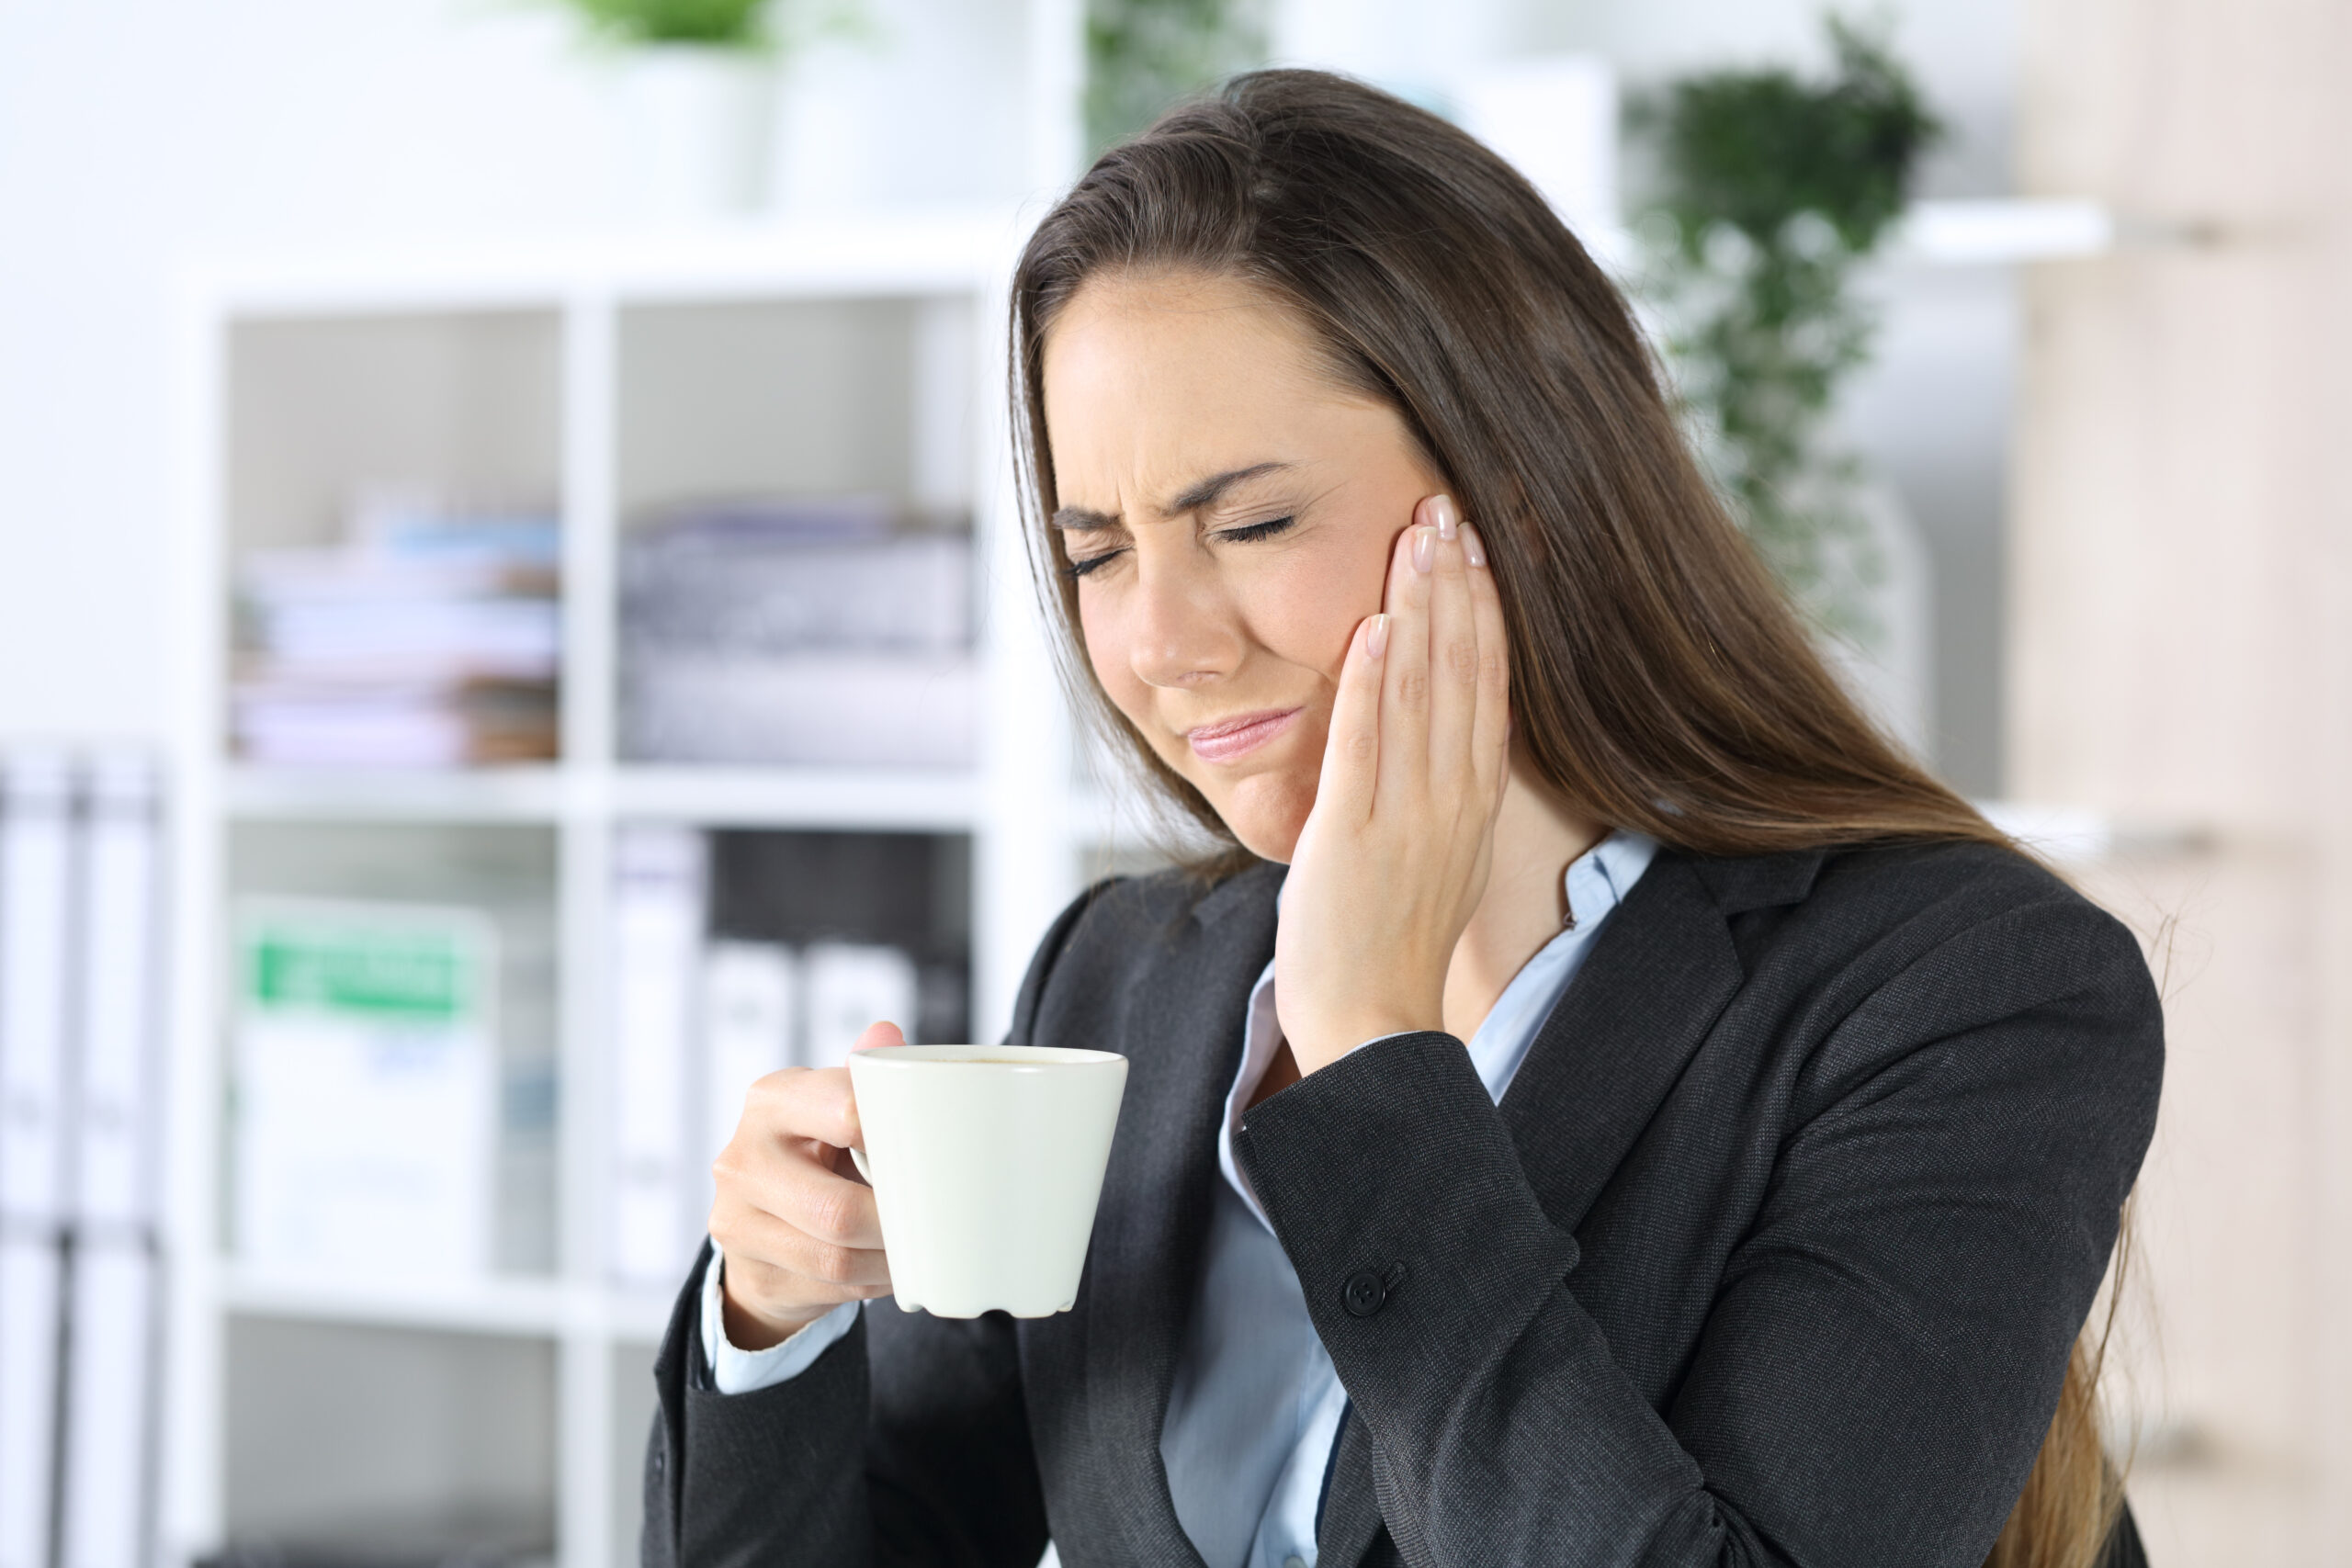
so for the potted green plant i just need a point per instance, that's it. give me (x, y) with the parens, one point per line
(1765, 193)
(1143, 55)
(695, 82)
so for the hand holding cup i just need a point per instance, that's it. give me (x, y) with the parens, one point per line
(797, 1224)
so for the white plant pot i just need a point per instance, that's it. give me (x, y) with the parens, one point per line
(695, 127)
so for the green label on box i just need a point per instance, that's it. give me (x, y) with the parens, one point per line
(391, 972)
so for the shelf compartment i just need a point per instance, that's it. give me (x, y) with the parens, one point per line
(361, 1441)
(504, 875)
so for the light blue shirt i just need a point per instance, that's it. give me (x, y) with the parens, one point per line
(1256, 1406)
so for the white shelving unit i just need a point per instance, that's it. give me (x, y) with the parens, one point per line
(534, 348)
(495, 333)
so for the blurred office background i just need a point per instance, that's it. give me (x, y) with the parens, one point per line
(512, 624)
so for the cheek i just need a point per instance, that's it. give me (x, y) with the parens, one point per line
(1306, 608)
(1107, 637)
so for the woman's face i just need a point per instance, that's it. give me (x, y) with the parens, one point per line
(1229, 512)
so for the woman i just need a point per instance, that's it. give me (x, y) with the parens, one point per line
(1648, 1122)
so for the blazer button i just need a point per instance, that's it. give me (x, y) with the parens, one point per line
(1363, 1294)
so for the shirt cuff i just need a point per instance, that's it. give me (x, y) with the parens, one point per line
(748, 1371)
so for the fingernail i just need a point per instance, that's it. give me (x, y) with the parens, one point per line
(1449, 516)
(1375, 638)
(1424, 549)
(1472, 551)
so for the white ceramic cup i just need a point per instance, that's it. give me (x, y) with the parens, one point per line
(985, 1163)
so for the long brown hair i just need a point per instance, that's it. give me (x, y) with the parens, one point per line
(1660, 678)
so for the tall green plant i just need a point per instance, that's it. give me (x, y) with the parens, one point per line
(1770, 189)
(1143, 55)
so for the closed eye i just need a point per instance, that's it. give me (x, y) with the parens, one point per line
(1080, 565)
(1249, 533)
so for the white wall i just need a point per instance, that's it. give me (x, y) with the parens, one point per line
(136, 132)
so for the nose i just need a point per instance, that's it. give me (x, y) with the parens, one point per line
(1184, 633)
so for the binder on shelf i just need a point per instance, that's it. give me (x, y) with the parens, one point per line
(851, 985)
(31, 1297)
(658, 895)
(36, 854)
(114, 1117)
(110, 1382)
(750, 993)
(36, 968)
(110, 1405)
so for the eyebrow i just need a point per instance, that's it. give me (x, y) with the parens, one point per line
(1204, 493)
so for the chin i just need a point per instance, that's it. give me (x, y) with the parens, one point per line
(1267, 811)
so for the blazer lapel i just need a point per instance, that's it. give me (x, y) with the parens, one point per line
(1184, 1029)
(1659, 973)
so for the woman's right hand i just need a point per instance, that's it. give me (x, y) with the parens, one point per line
(799, 1228)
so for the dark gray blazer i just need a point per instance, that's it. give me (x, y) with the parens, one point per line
(1773, 1253)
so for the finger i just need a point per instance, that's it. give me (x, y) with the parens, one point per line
(805, 1102)
(754, 1240)
(1453, 665)
(1490, 738)
(1405, 673)
(1351, 749)
(880, 1036)
(797, 1188)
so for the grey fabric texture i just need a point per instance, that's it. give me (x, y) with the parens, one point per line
(1773, 1255)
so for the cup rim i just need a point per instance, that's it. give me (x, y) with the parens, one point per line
(1041, 1057)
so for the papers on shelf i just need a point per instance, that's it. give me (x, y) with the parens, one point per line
(831, 631)
(780, 579)
(430, 639)
(366, 1069)
(395, 723)
(814, 708)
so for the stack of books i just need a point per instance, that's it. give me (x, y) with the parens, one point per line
(430, 638)
(798, 632)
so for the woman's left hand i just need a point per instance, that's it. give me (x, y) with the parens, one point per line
(1393, 856)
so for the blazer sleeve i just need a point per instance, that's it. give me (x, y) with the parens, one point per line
(1884, 1349)
(906, 1443)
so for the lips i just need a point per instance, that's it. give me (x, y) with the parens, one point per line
(1238, 736)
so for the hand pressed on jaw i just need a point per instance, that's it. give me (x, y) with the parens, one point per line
(1395, 855)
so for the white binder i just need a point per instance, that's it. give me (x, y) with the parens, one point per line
(35, 884)
(751, 997)
(110, 1371)
(657, 898)
(853, 985)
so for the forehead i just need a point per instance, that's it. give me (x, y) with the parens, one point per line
(1152, 380)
